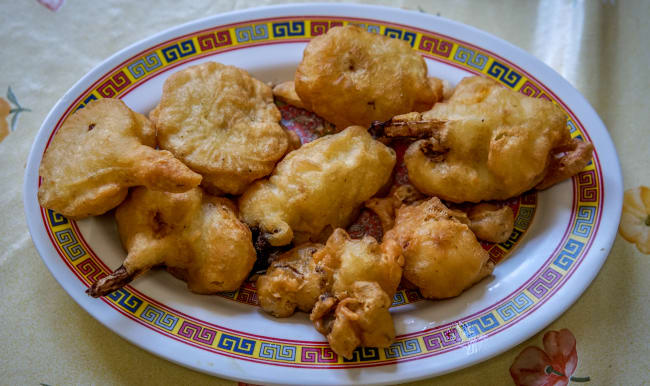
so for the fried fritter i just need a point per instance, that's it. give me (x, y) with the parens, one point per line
(98, 153)
(198, 237)
(361, 278)
(360, 319)
(286, 92)
(441, 90)
(567, 161)
(491, 223)
(345, 260)
(346, 284)
(352, 77)
(292, 281)
(385, 207)
(222, 123)
(318, 187)
(488, 142)
(442, 257)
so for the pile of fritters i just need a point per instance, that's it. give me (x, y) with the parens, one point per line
(217, 132)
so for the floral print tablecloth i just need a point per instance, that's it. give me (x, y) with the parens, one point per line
(601, 47)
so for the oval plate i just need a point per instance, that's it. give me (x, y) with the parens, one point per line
(546, 270)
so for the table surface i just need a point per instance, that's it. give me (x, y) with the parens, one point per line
(600, 47)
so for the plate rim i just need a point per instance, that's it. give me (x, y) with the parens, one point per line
(336, 10)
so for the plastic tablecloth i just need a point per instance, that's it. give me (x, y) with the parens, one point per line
(600, 47)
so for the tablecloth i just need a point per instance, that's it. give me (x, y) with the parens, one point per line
(600, 47)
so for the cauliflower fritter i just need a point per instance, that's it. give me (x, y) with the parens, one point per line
(98, 153)
(360, 319)
(347, 285)
(352, 77)
(286, 92)
(385, 207)
(292, 281)
(222, 123)
(491, 223)
(361, 278)
(318, 187)
(198, 237)
(488, 142)
(345, 260)
(442, 257)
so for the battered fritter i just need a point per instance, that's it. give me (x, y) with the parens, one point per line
(352, 77)
(318, 187)
(442, 257)
(198, 237)
(222, 123)
(98, 153)
(361, 279)
(488, 142)
(292, 281)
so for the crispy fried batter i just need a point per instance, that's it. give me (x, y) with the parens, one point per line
(360, 319)
(495, 143)
(318, 187)
(441, 255)
(197, 236)
(345, 261)
(346, 284)
(570, 161)
(222, 123)
(491, 223)
(98, 153)
(292, 281)
(286, 92)
(438, 88)
(352, 77)
(294, 140)
(385, 207)
(447, 89)
(361, 277)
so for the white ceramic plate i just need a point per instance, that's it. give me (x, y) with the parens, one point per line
(565, 242)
